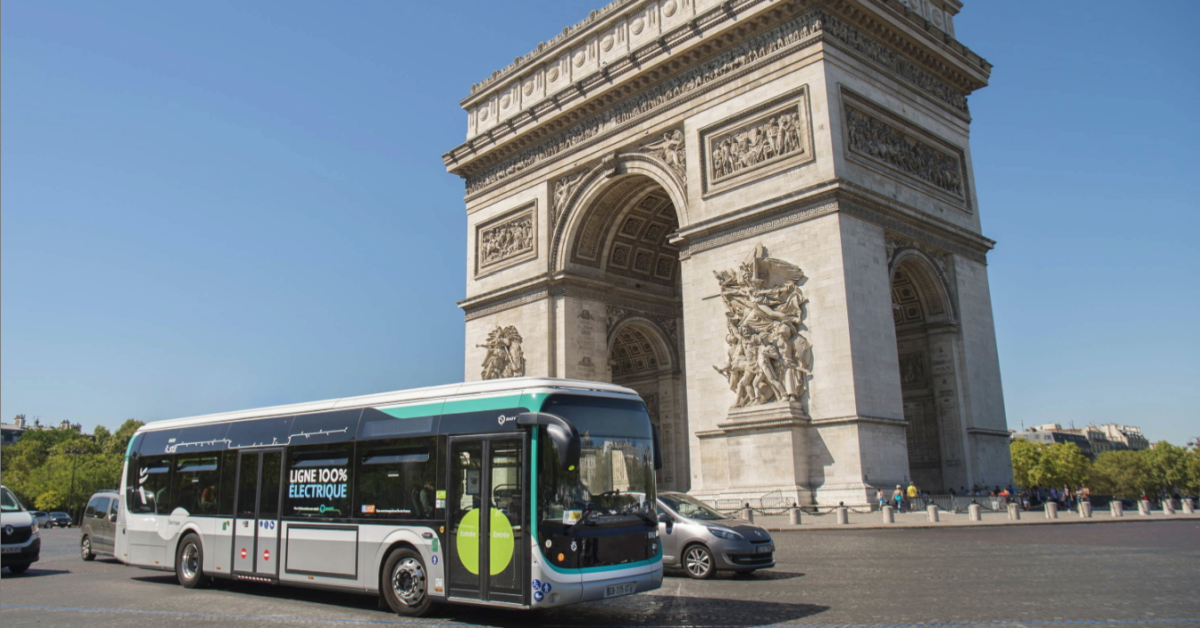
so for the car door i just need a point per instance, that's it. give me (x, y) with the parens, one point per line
(110, 526)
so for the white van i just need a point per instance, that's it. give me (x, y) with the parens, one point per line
(20, 544)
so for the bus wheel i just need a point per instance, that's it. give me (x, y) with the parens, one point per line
(698, 562)
(189, 563)
(85, 549)
(405, 585)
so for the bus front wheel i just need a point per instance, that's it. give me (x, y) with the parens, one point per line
(405, 584)
(189, 563)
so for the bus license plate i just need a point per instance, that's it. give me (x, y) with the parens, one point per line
(765, 549)
(620, 589)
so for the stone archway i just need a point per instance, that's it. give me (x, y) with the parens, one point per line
(926, 341)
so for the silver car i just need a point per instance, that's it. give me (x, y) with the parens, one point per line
(703, 541)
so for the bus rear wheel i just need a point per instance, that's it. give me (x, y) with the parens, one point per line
(189, 563)
(405, 584)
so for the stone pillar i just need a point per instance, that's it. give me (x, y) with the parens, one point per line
(1085, 510)
(843, 515)
(932, 511)
(748, 513)
(1144, 507)
(794, 515)
(889, 514)
(1168, 506)
(975, 512)
(1051, 510)
(1189, 507)
(1014, 512)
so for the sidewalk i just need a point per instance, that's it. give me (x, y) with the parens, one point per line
(947, 519)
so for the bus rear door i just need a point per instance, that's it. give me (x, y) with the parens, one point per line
(256, 522)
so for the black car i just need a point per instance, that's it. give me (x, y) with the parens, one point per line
(60, 519)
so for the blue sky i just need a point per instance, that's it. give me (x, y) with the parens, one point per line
(214, 206)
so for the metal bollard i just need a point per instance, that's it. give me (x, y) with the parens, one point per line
(1085, 510)
(794, 515)
(975, 512)
(1189, 507)
(1144, 507)
(889, 514)
(1014, 512)
(843, 515)
(1168, 506)
(1116, 508)
(932, 511)
(1051, 510)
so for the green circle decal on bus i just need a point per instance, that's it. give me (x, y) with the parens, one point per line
(501, 543)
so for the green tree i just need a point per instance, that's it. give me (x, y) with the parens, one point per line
(1166, 466)
(1026, 460)
(120, 439)
(1121, 473)
(1065, 464)
(50, 500)
(1193, 469)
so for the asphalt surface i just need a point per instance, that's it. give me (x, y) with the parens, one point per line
(1131, 573)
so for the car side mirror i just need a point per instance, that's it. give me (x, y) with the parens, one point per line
(113, 517)
(665, 518)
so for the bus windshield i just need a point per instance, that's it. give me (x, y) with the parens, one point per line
(615, 479)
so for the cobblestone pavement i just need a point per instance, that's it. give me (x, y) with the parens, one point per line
(1145, 573)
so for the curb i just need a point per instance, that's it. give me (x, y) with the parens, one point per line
(984, 524)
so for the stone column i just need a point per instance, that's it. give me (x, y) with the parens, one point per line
(932, 511)
(748, 513)
(1168, 506)
(1051, 510)
(794, 515)
(1014, 512)
(843, 515)
(1085, 510)
(974, 511)
(1189, 507)
(1144, 507)
(889, 514)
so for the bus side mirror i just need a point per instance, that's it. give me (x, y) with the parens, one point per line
(658, 461)
(561, 431)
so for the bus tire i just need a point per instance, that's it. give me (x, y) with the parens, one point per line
(189, 562)
(404, 583)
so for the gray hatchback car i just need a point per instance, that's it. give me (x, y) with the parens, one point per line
(703, 541)
(97, 529)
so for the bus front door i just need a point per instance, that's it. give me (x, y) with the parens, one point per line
(488, 510)
(256, 523)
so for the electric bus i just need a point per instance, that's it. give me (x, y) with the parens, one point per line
(520, 493)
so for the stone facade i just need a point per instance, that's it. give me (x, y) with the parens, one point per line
(762, 217)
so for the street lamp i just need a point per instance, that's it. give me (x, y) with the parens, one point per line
(75, 453)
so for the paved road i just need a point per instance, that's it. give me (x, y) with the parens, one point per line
(1144, 573)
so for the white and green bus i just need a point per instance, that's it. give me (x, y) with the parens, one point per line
(524, 492)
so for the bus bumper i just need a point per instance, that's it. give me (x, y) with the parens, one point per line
(649, 580)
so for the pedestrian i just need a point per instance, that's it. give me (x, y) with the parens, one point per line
(880, 497)
(898, 497)
(912, 495)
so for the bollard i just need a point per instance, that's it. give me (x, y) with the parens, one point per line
(794, 515)
(748, 514)
(1116, 508)
(843, 515)
(1014, 512)
(1144, 507)
(889, 514)
(932, 511)
(1085, 510)
(1051, 510)
(975, 512)
(1168, 506)
(1189, 506)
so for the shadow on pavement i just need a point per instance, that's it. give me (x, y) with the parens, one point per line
(34, 572)
(672, 572)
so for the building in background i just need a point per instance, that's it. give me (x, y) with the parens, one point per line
(1128, 435)
(1091, 440)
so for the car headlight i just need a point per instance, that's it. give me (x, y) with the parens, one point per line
(728, 535)
(34, 527)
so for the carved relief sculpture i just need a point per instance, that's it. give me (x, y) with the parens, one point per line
(768, 360)
(504, 358)
(506, 241)
(762, 141)
(562, 192)
(670, 150)
(880, 140)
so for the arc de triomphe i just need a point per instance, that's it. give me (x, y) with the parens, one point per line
(761, 215)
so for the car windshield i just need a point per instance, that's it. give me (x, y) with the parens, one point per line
(8, 502)
(615, 477)
(690, 507)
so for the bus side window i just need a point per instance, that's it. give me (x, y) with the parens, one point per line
(396, 479)
(196, 477)
(151, 485)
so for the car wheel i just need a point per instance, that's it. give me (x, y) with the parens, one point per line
(405, 585)
(698, 562)
(189, 563)
(18, 568)
(85, 549)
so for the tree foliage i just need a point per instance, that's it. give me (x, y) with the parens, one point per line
(1121, 473)
(38, 467)
(1129, 474)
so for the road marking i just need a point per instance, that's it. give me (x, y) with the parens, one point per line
(397, 622)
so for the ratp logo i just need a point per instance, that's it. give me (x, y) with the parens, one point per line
(505, 419)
